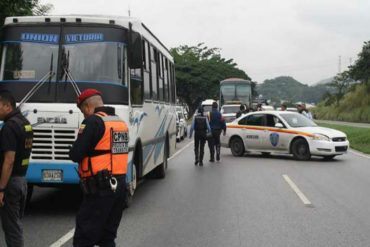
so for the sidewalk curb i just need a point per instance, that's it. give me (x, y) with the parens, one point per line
(359, 153)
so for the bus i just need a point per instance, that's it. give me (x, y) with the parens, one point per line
(47, 60)
(235, 91)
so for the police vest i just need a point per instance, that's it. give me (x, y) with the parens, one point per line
(200, 123)
(24, 147)
(111, 152)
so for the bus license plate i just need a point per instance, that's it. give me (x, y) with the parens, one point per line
(52, 175)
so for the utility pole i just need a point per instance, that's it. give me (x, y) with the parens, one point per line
(129, 11)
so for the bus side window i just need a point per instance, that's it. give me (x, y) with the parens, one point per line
(146, 73)
(153, 68)
(165, 79)
(160, 76)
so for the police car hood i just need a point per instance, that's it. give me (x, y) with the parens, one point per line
(322, 130)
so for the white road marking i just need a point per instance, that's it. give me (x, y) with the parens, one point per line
(359, 154)
(297, 190)
(69, 234)
(182, 149)
(63, 239)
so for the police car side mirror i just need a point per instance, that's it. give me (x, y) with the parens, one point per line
(279, 125)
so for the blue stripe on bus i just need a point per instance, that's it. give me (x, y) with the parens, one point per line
(57, 44)
(96, 82)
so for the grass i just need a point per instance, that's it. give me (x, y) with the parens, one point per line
(359, 138)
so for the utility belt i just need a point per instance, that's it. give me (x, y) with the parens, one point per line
(102, 183)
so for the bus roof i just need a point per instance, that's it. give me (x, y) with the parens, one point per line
(237, 80)
(122, 21)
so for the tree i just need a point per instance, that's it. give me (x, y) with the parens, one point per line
(360, 71)
(199, 70)
(21, 8)
(341, 83)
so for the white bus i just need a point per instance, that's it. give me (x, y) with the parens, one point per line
(118, 56)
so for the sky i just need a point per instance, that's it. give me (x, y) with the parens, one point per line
(310, 40)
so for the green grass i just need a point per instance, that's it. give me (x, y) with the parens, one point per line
(359, 138)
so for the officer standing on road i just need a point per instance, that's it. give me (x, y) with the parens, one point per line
(101, 149)
(200, 125)
(15, 148)
(241, 111)
(217, 123)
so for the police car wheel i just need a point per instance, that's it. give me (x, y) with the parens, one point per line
(237, 146)
(301, 150)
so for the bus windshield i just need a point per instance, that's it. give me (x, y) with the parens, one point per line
(28, 61)
(94, 62)
(235, 92)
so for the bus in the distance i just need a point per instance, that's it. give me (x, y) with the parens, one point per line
(235, 91)
(47, 60)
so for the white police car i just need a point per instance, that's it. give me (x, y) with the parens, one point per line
(283, 132)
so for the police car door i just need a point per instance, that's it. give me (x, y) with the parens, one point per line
(253, 130)
(276, 138)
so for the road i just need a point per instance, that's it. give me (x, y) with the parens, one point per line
(361, 125)
(242, 201)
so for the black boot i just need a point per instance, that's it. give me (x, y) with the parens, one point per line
(218, 150)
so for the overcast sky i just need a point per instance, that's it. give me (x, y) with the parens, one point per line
(266, 38)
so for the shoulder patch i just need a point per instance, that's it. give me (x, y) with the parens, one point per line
(81, 130)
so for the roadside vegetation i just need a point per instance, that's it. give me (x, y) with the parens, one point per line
(351, 98)
(359, 138)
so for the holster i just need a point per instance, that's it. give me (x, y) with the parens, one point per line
(99, 183)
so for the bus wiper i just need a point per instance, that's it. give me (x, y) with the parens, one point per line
(68, 75)
(73, 82)
(36, 87)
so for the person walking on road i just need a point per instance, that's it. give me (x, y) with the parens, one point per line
(217, 123)
(16, 137)
(200, 126)
(101, 150)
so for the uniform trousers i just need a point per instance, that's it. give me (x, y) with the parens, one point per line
(214, 143)
(199, 142)
(99, 217)
(12, 212)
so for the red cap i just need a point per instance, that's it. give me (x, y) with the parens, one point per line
(86, 94)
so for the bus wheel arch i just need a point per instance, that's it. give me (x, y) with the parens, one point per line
(136, 172)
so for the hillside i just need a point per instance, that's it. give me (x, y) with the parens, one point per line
(288, 89)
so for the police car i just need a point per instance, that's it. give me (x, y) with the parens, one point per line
(283, 132)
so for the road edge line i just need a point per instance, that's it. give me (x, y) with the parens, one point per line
(297, 190)
(358, 153)
(63, 239)
(175, 154)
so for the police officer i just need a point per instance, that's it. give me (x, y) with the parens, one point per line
(241, 111)
(101, 150)
(200, 125)
(15, 149)
(217, 123)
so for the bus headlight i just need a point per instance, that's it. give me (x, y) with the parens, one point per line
(320, 137)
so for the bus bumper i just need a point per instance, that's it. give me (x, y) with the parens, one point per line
(36, 173)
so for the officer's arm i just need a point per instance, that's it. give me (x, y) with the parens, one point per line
(9, 158)
(192, 127)
(86, 139)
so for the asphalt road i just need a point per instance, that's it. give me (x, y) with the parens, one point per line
(242, 201)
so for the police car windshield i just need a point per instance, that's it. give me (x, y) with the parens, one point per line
(28, 61)
(297, 120)
(102, 62)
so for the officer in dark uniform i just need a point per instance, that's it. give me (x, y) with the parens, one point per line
(200, 125)
(101, 150)
(15, 149)
(217, 123)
